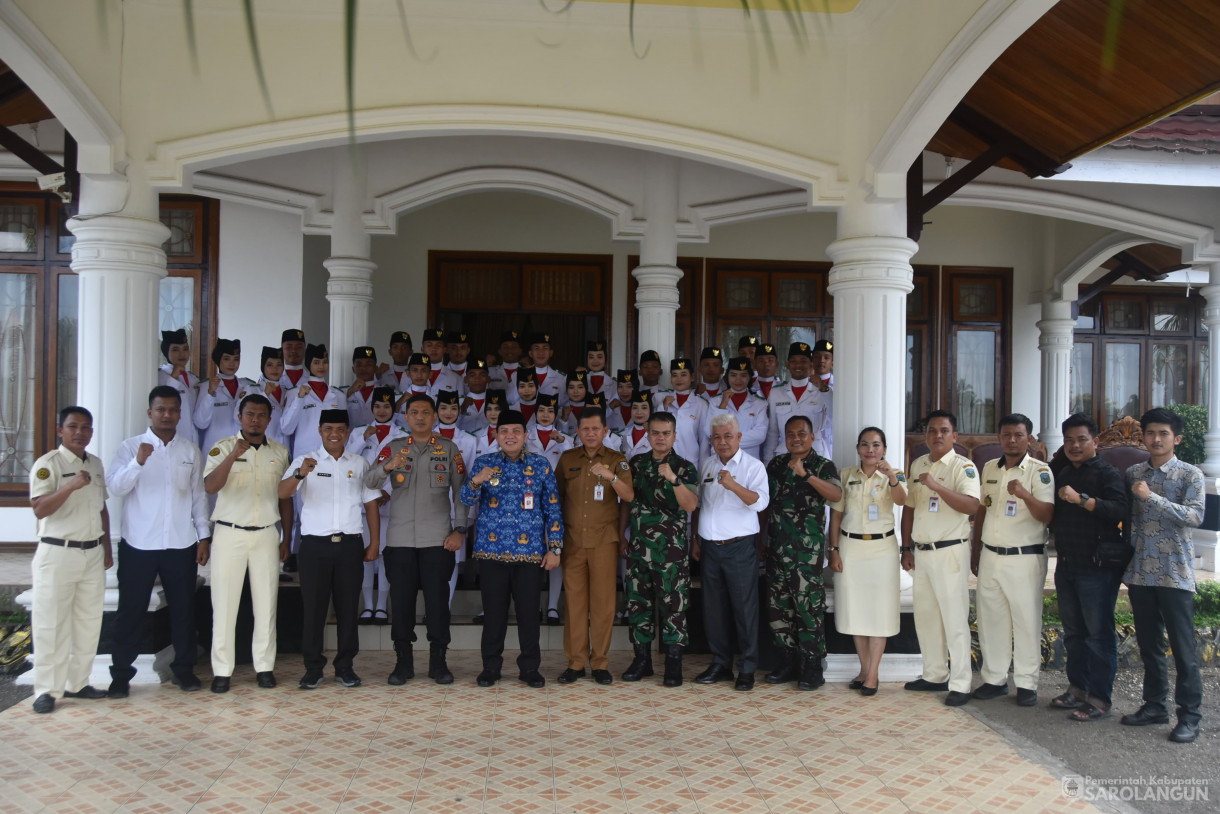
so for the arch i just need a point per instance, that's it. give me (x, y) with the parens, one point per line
(1067, 282)
(176, 159)
(44, 71)
(984, 37)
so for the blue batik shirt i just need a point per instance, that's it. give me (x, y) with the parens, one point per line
(506, 530)
(1161, 523)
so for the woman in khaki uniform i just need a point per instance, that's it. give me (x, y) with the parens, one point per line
(863, 553)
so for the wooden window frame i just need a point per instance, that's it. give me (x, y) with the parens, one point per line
(949, 327)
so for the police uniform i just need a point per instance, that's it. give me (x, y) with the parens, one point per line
(360, 402)
(519, 521)
(799, 397)
(245, 538)
(590, 553)
(942, 567)
(186, 384)
(658, 566)
(334, 502)
(69, 574)
(1012, 573)
(867, 589)
(796, 546)
(216, 413)
(750, 410)
(425, 490)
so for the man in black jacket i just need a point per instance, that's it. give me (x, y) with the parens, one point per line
(1090, 504)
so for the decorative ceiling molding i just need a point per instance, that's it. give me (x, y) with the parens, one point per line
(1067, 282)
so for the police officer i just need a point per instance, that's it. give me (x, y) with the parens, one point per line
(801, 482)
(1008, 555)
(944, 495)
(426, 473)
(592, 480)
(658, 570)
(244, 473)
(68, 495)
(799, 397)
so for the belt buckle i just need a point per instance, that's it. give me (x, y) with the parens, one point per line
(867, 537)
(336, 538)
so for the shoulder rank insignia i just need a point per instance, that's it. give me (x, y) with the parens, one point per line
(459, 463)
(1045, 477)
(215, 451)
(43, 473)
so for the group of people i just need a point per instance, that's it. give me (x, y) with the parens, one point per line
(392, 479)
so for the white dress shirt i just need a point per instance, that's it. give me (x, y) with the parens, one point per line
(333, 494)
(166, 506)
(723, 515)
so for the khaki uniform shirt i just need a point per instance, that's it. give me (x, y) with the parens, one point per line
(588, 522)
(957, 472)
(250, 496)
(859, 493)
(80, 518)
(420, 491)
(1005, 527)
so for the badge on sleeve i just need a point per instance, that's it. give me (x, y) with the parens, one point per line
(970, 471)
(1045, 477)
(43, 473)
(623, 465)
(215, 451)
(901, 477)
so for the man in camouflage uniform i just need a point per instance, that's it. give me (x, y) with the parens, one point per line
(801, 483)
(658, 571)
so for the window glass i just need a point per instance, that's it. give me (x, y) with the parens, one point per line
(1122, 387)
(19, 358)
(1080, 379)
(975, 381)
(730, 335)
(65, 341)
(1170, 316)
(176, 304)
(19, 229)
(915, 379)
(1170, 367)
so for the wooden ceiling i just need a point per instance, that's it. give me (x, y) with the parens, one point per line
(1052, 97)
(18, 104)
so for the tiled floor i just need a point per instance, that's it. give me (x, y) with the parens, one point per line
(582, 748)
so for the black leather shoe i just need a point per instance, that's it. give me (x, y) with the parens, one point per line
(867, 692)
(1144, 716)
(88, 691)
(811, 675)
(119, 688)
(266, 679)
(569, 675)
(855, 684)
(986, 692)
(956, 699)
(1184, 732)
(641, 665)
(487, 678)
(1026, 697)
(920, 685)
(745, 682)
(188, 682)
(788, 671)
(290, 564)
(220, 684)
(603, 677)
(44, 704)
(533, 678)
(717, 672)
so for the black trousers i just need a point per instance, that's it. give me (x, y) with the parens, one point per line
(522, 581)
(330, 570)
(410, 570)
(138, 570)
(1157, 611)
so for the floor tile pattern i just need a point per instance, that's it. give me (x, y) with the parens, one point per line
(582, 748)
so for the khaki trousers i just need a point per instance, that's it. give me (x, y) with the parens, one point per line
(942, 614)
(588, 582)
(233, 553)
(69, 586)
(1008, 601)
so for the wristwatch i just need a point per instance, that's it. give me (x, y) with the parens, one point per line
(1084, 498)
(460, 529)
(296, 473)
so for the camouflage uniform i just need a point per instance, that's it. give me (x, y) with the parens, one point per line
(658, 571)
(795, 547)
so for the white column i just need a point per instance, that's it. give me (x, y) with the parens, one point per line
(350, 288)
(657, 276)
(120, 263)
(1211, 318)
(1055, 344)
(870, 280)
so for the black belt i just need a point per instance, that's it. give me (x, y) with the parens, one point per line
(1025, 549)
(83, 545)
(726, 542)
(333, 538)
(938, 544)
(242, 528)
(889, 533)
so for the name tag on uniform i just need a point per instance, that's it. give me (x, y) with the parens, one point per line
(599, 492)
(527, 502)
(322, 474)
(1010, 507)
(934, 504)
(873, 512)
